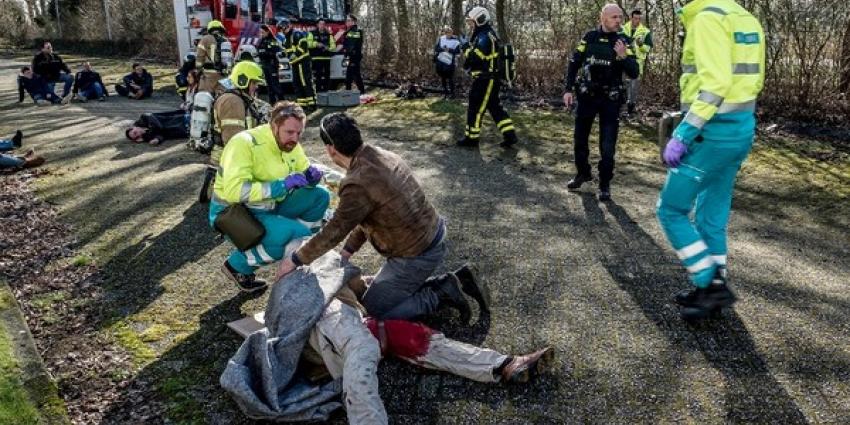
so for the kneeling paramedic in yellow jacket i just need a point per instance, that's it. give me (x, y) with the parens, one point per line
(266, 169)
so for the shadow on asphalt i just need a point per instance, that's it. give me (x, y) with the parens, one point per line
(724, 342)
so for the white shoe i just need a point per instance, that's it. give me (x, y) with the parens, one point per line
(67, 98)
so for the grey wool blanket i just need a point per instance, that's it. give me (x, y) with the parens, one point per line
(261, 377)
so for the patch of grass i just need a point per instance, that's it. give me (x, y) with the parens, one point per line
(154, 333)
(183, 406)
(15, 405)
(82, 260)
(133, 343)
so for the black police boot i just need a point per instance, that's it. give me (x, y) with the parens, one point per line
(509, 139)
(467, 142)
(246, 282)
(630, 109)
(604, 192)
(18, 139)
(450, 294)
(473, 287)
(578, 180)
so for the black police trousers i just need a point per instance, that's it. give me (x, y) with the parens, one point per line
(270, 72)
(484, 96)
(352, 74)
(302, 79)
(587, 108)
(322, 71)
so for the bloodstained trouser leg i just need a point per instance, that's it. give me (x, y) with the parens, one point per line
(471, 362)
(351, 352)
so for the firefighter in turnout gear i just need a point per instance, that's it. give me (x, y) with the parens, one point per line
(723, 65)
(210, 59)
(297, 45)
(267, 51)
(266, 170)
(481, 56)
(352, 45)
(322, 52)
(233, 111)
(602, 57)
(641, 36)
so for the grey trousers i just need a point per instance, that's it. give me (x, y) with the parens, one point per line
(350, 352)
(403, 288)
(633, 90)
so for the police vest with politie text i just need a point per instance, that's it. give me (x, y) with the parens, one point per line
(594, 69)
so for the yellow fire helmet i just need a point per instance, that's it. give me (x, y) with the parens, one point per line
(215, 25)
(246, 71)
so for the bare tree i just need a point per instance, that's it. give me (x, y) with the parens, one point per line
(404, 37)
(504, 31)
(386, 50)
(457, 16)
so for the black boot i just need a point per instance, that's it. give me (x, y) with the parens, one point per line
(18, 139)
(604, 192)
(630, 108)
(685, 297)
(470, 285)
(509, 139)
(703, 302)
(246, 282)
(578, 180)
(467, 142)
(450, 294)
(207, 188)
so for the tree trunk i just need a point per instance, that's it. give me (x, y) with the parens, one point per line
(457, 16)
(504, 32)
(387, 46)
(404, 39)
(845, 62)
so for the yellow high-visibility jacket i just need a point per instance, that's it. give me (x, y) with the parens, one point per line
(643, 34)
(251, 162)
(723, 65)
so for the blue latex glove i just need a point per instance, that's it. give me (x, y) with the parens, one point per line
(313, 175)
(291, 182)
(674, 151)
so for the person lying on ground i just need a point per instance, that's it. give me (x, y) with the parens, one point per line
(10, 162)
(15, 142)
(137, 84)
(382, 202)
(347, 345)
(88, 85)
(154, 128)
(36, 87)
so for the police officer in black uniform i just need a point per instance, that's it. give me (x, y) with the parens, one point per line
(324, 45)
(267, 50)
(481, 56)
(602, 56)
(353, 48)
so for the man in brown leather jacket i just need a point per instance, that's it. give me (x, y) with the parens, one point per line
(381, 201)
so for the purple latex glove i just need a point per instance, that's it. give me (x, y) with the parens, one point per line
(295, 181)
(674, 151)
(313, 174)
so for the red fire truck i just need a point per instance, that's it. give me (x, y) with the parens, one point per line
(242, 19)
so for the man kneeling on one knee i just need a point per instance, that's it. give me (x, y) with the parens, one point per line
(266, 170)
(381, 201)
